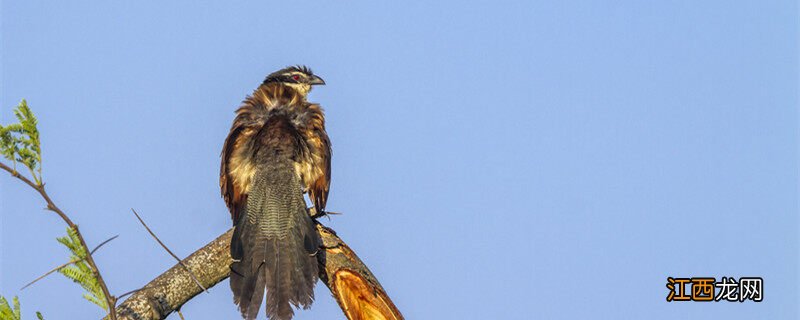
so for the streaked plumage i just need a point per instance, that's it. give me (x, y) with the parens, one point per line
(276, 150)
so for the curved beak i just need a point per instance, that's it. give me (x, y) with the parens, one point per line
(315, 80)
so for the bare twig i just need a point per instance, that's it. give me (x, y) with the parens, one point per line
(49, 272)
(103, 243)
(66, 264)
(129, 292)
(39, 187)
(194, 277)
(180, 314)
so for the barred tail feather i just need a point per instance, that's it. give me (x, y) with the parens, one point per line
(275, 244)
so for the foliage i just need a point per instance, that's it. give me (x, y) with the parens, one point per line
(7, 312)
(79, 271)
(19, 142)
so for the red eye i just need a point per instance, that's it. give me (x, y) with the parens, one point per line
(296, 77)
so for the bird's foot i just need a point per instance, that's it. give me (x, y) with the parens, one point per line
(319, 214)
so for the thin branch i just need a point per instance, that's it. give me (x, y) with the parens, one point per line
(66, 264)
(39, 187)
(103, 243)
(129, 292)
(49, 272)
(169, 251)
(15, 174)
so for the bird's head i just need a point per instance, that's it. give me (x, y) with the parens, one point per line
(299, 78)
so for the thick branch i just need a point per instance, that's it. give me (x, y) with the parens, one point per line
(170, 290)
(355, 288)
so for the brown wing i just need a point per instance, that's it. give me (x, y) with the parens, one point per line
(234, 194)
(225, 182)
(318, 191)
(318, 178)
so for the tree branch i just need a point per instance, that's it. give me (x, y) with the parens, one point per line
(170, 290)
(39, 187)
(354, 287)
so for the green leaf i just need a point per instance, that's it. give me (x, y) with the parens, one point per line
(17, 314)
(7, 312)
(95, 300)
(80, 272)
(19, 142)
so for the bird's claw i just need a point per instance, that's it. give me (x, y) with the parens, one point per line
(323, 213)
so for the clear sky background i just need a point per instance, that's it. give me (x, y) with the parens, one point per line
(494, 159)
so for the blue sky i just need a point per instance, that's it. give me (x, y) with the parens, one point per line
(494, 159)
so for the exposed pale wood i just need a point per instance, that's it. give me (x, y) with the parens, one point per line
(355, 288)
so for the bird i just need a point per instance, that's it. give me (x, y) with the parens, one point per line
(277, 150)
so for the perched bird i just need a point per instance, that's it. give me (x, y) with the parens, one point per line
(277, 150)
